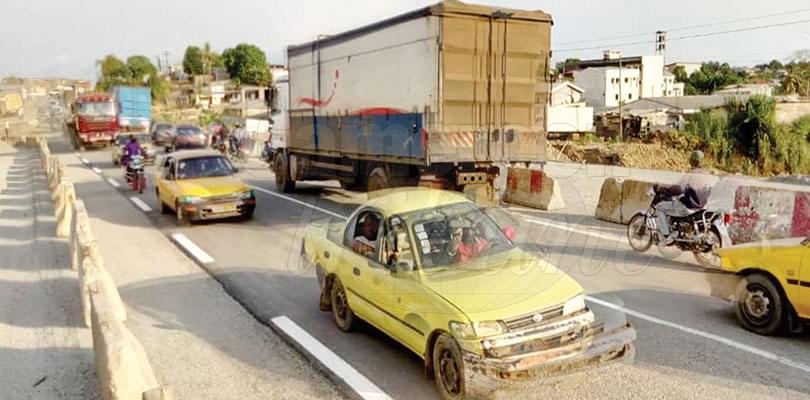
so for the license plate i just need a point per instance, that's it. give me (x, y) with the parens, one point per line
(221, 208)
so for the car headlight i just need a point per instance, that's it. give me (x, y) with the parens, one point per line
(477, 329)
(191, 199)
(574, 304)
(246, 195)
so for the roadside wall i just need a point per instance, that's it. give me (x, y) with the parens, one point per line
(122, 367)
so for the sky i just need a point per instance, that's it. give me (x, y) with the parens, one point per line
(64, 38)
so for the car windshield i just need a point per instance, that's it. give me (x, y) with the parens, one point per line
(188, 130)
(163, 127)
(455, 234)
(204, 167)
(103, 109)
(142, 139)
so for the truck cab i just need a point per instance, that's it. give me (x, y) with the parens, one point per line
(94, 120)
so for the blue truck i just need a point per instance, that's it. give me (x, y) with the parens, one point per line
(134, 108)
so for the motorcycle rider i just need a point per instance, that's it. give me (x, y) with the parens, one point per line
(131, 149)
(238, 136)
(687, 196)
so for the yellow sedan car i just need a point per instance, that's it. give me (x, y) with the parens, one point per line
(432, 270)
(770, 284)
(201, 185)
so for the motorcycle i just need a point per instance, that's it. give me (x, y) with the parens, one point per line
(135, 173)
(702, 232)
(239, 150)
(218, 144)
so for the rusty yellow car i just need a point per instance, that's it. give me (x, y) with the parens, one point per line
(201, 185)
(432, 270)
(769, 283)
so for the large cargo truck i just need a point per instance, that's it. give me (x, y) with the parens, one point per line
(134, 107)
(11, 104)
(436, 97)
(93, 120)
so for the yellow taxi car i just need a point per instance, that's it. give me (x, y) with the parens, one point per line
(770, 284)
(201, 185)
(432, 270)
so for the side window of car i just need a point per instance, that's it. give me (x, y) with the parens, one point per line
(398, 250)
(168, 169)
(366, 234)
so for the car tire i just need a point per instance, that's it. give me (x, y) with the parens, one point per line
(281, 168)
(448, 368)
(378, 180)
(247, 216)
(341, 311)
(761, 306)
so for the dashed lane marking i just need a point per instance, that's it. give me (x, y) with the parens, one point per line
(84, 160)
(96, 170)
(113, 183)
(340, 368)
(140, 203)
(192, 248)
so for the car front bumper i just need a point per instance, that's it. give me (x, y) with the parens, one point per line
(218, 210)
(550, 352)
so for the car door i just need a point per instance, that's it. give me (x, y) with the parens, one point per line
(165, 182)
(365, 278)
(802, 284)
(409, 300)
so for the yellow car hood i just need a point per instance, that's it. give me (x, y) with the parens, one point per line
(215, 186)
(503, 286)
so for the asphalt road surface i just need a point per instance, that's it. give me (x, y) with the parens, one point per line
(689, 345)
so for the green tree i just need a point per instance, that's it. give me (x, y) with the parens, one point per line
(247, 63)
(713, 76)
(193, 61)
(680, 76)
(797, 79)
(113, 72)
(569, 63)
(141, 69)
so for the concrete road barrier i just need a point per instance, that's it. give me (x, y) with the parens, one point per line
(64, 209)
(764, 213)
(609, 207)
(635, 198)
(533, 188)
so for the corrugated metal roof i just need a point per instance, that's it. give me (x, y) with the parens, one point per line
(678, 103)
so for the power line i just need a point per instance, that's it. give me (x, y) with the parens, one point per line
(684, 28)
(694, 36)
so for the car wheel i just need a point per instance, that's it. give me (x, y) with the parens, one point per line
(182, 219)
(760, 305)
(164, 209)
(248, 215)
(638, 234)
(378, 180)
(448, 368)
(344, 317)
(281, 168)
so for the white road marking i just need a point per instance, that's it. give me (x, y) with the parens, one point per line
(296, 201)
(576, 230)
(138, 202)
(84, 160)
(354, 379)
(113, 182)
(705, 335)
(96, 170)
(192, 248)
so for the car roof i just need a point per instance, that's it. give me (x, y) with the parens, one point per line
(188, 154)
(188, 126)
(407, 199)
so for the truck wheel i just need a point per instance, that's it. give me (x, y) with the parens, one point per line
(378, 180)
(760, 305)
(282, 170)
(448, 368)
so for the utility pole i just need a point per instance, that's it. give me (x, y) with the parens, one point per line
(159, 65)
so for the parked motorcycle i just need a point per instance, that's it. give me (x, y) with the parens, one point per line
(135, 174)
(702, 232)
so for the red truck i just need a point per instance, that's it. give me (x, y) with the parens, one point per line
(94, 120)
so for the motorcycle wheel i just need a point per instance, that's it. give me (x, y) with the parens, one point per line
(141, 184)
(710, 259)
(638, 235)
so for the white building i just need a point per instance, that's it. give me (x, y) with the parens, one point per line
(604, 86)
(567, 111)
(672, 88)
(688, 67)
(764, 89)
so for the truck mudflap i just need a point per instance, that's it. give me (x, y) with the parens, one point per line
(558, 355)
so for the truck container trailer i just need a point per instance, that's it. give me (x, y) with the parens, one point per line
(134, 107)
(436, 97)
